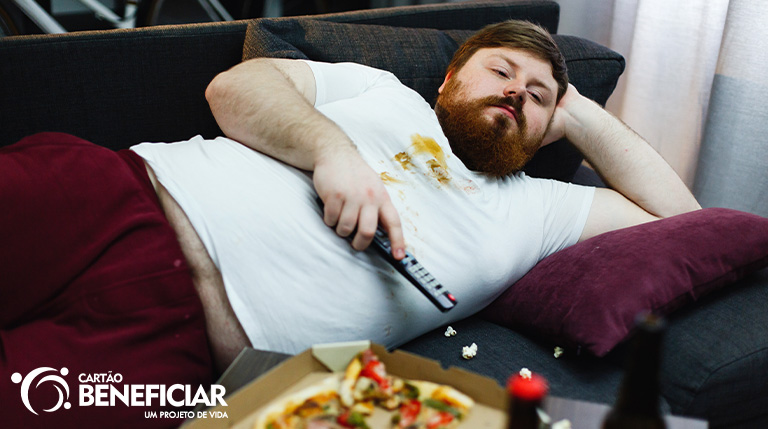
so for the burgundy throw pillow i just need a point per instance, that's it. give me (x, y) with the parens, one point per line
(586, 296)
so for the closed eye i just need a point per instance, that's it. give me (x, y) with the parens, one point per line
(501, 72)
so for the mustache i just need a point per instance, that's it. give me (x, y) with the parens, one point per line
(513, 102)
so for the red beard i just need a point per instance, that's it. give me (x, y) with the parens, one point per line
(491, 147)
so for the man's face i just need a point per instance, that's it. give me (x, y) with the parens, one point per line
(496, 109)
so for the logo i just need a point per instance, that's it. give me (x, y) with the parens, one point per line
(57, 381)
(108, 390)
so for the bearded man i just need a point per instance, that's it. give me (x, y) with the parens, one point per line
(444, 183)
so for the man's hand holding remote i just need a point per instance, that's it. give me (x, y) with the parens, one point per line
(356, 200)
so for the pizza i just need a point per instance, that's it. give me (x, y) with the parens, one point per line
(430, 405)
(347, 400)
(310, 407)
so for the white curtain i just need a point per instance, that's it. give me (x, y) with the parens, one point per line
(674, 50)
(733, 163)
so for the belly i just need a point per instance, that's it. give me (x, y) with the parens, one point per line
(225, 334)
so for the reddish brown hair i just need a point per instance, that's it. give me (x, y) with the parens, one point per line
(515, 34)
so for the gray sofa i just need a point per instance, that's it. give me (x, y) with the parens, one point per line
(118, 88)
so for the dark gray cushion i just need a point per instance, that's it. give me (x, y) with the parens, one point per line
(419, 57)
(464, 15)
(502, 352)
(715, 358)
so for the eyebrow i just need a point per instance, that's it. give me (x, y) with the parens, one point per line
(534, 80)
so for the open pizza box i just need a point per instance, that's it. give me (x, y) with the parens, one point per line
(313, 365)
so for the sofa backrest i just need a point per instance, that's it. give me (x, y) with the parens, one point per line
(115, 88)
(119, 87)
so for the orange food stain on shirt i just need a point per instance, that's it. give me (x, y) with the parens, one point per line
(437, 166)
(387, 178)
(438, 171)
(429, 146)
(404, 159)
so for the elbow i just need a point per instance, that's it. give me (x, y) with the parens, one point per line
(694, 206)
(214, 91)
(224, 88)
(684, 207)
(209, 90)
(218, 96)
(689, 205)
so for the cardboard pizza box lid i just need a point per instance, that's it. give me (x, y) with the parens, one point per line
(314, 364)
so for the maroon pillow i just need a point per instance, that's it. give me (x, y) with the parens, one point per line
(587, 296)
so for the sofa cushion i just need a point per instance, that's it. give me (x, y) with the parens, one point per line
(453, 15)
(715, 356)
(587, 295)
(419, 57)
(502, 352)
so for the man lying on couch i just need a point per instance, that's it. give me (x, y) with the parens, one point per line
(443, 183)
(266, 269)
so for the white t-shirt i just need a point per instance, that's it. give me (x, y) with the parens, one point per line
(293, 282)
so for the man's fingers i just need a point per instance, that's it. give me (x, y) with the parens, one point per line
(364, 222)
(332, 211)
(390, 220)
(348, 219)
(366, 227)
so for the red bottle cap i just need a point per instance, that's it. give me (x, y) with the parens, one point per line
(534, 388)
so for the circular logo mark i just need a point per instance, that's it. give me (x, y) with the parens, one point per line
(57, 381)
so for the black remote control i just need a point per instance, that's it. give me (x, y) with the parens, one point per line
(413, 271)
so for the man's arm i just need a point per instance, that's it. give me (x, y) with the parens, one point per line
(268, 105)
(644, 186)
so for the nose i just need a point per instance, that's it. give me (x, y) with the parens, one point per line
(515, 89)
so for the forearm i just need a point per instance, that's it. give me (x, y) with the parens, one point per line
(258, 105)
(626, 162)
(268, 105)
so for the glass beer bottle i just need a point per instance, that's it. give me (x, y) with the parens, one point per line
(526, 395)
(637, 405)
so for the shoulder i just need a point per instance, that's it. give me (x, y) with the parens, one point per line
(349, 72)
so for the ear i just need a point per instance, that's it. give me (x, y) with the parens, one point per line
(447, 76)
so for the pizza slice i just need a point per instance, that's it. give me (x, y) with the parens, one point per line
(317, 406)
(366, 380)
(428, 405)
